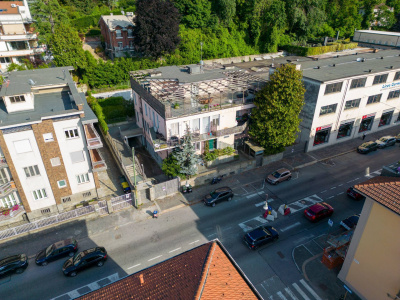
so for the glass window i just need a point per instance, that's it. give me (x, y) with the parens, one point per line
(62, 183)
(5, 60)
(374, 99)
(394, 94)
(16, 99)
(396, 76)
(196, 125)
(31, 171)
(145, 108)
(357, 83)
(39, 194)
(333, 88)
(322, 136)
(118, 33)
(380, 79)
(55, 161)
(366, 124)
(329, 109)
(71, 133)
(48, 137)
(175, 129)
(345, 130)
(386, 118)
(130, 33)
(120, 45)
(352, 104)
(82, 178)
(77, 157)
(3, 177)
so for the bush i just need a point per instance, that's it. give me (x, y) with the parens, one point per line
(98, 110)
(210, 156)
(93, 32)
(308, 51)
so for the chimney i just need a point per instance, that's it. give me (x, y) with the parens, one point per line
(141, 279)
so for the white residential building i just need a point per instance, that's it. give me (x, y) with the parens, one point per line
(49, 155)
(18, 41)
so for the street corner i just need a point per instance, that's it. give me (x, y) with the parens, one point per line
(300, 255)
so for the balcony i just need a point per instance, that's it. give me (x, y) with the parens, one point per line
(97, 160)
(23, 52)
(93, 139)
(9, 213)
(3, 163)
(7, 188)
(232, 130)
(18, 37)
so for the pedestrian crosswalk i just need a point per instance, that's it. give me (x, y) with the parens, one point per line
(299, 290)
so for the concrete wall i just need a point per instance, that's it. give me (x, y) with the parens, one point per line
(238, 59)
(376, 38)
(126, 94)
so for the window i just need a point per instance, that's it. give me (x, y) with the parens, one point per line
(374, 99)
(174, 129)
(118, 33)
(352, 104)
(61, 183)
(120, 45)
(15, 99)
(71, 133)
(131, 44)
(380, 79)
(39, 194)
(333, 88)
(396, 76)
(77, 156)
(130, 33)
(31, 171)
(145, 108)
(55, 161)
(329, 109)
(48, 137)
(82, 178)
(357, 83)
(22, 146)
(5, 60)
(3, 177)
(394, 94)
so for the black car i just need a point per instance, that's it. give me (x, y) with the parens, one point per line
(13, 264)
(350, 222)
(260, 236)
(219, 195)
(56, 251)
(367, 147)
(91, 257)
(351, 192)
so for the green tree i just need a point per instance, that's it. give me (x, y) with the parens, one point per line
(226, 10)
(187, 158)
(385, 18)
(170, 166)
(276, 119)
(195, 13)
(343, 15)
(66, 47)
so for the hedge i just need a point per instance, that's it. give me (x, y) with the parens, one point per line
(98, 110)
(308, 51)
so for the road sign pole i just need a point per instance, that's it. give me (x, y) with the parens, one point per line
(134, 176)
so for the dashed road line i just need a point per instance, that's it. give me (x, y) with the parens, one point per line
(340, 184)
(194, 242)
(133, 266)
(154, 258)
(324, 191)
(280, 295)
(176, 249)
(330, 197)
(209, 236)
(332, 188)
(251, 196)
(340, 193)
(290, 226)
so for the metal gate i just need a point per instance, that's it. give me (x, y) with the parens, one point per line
(122, 202)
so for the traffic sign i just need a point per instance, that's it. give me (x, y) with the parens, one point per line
(330, 222)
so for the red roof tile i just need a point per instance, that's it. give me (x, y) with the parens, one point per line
(7, 5)
(384, 190)
(205, 272)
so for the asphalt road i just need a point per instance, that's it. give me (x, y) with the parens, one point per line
(271, 269)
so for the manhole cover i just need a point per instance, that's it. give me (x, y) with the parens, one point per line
(281, 254)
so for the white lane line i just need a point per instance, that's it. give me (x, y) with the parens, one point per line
(312, 292)
(349, 181)
(281, 296)
(174, 250)
(332, 188)
(245, 190)
(260, 204)
(357, 178)
(340, 193)
(93, 286)
(73, 294)
(133, 266)
(260, 193)
(290, 293)
(251, 196)
(154, 258)
(330, 197)
(323, 191)
(226, 228)
(211, 235)
(194, 242)
(340, 184)
(290, 226)
(299, 290)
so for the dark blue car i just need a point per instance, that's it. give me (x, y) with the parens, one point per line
(260, 236)
(56, 251)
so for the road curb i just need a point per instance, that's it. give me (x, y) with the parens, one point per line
(303, 267)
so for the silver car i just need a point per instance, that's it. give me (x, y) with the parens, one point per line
(386, 141)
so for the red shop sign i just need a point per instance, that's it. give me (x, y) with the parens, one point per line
(367, 116)
(323, 127)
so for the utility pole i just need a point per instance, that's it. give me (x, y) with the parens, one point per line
(134, 175)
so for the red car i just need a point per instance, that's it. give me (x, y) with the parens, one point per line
(351, 192)
(318, 211)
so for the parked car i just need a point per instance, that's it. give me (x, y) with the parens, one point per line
(56, 251)
(397, 138)
(279, 176)
(13, 264)
(386, 141)
(91, 257)
(260, 236)
(367, 147)
(318, 211)
(350, 222)
(351, 192)
(217, 196)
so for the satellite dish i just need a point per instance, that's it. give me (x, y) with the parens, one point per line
(31, 82)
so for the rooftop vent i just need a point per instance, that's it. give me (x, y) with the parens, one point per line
(359, 59)
(155, 74)
(13, 5)
(391, 67)
(141, 279)
(31, 82)
(317, 67)
(370, 70)
(229, 67)
(194, 69)
(334, 65)
(381, 57)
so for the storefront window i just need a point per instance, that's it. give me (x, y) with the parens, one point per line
(386, 118)
(345, 130)
(366, 124)
(322, 136)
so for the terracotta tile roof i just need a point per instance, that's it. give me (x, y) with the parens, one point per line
(205, 272)
(384, 190)
(7, 5)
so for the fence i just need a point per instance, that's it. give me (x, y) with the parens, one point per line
(166, 188)
(103, 209)
(122, 202)
(47, 221)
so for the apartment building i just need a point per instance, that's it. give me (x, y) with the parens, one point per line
(18, 40)
(208, 101)
(49, 155)
(348, 96)
(118, 34)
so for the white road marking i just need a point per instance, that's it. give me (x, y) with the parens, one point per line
(245, 190)
(341, 193)
(261, 220)
(193, 242)
(349, 181)
(251, 196)
(298, 289)
(133, 266)
(260, 193)
(340, 184)
(259, 204)
(332, 188)
(178, 248)
(211, 235)
(244, 227)
(113, 277)
(290, 226)
(73, 294)
(357, 178)
(93, 286)
(226, 228)
(281, 296)
(312, 292)
(290, 293)
(323, 191)
(154, 258)
(330, 197)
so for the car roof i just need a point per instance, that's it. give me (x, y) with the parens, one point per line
(223, 189)
(318, 207)
(10, 259)
(281, 170)
(63, 243)
(260, 231)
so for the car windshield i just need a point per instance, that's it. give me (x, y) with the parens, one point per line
(49, 249)
(383, 139)
(276, 174)
(365, 145)
(77, 258)
(214, 195)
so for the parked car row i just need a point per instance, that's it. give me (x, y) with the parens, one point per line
(381, 143)
(77, 262)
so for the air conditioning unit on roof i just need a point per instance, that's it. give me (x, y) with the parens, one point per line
(13, 5)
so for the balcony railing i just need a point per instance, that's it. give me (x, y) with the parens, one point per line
(18, 37)
(92, 137)
(97, 160)
(7, 214)
(232, 130)
(3, 163)
(7, 188)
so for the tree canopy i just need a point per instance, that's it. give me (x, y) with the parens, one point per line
(275, 122)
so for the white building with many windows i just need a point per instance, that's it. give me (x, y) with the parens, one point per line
(48, 145)
(348, 96)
